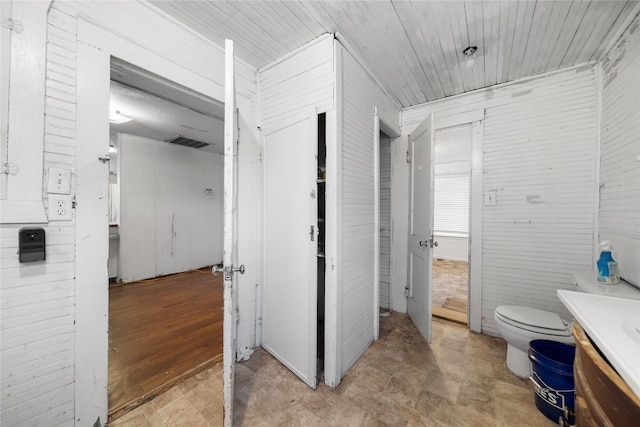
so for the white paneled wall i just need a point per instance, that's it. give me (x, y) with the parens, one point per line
(306, 80)
(360, 95)
(303, 81)
(540, 145)
(619, 213)
(38, 299)
(168, 223)
(41, 301)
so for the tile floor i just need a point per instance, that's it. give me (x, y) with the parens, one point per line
(458, 380)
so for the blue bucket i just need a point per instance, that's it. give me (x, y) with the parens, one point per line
(552, 377)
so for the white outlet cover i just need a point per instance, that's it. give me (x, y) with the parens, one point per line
(59, 181)
(60, 207)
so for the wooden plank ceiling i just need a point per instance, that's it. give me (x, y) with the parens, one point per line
(414, 48)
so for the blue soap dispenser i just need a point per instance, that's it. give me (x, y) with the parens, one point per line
(607, 267)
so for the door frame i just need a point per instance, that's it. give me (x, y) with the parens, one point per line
(378, 126)
(91, 300)
(476, 119)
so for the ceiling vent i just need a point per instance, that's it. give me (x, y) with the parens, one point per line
(187, 142)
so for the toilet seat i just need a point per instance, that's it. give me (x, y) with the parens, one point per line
(533, 320)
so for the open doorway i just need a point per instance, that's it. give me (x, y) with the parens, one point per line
(165, 221)
(385, 222)
(452, 183)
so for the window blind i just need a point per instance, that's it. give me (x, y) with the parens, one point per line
(451, 204)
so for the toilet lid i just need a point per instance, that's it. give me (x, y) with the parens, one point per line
(532, 317)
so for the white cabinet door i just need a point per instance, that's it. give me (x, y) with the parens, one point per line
(420, 261)
(290, 245)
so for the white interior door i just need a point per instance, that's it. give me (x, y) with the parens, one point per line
(420, 252)
(230, 233)
(290, 246)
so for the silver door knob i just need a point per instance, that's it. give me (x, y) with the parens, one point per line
(423, 243)
(228, 271)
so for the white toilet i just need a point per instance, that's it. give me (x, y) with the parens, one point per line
(520, 325)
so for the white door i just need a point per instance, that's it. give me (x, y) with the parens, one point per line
(230, 233)
(421, 226)
(290, 246)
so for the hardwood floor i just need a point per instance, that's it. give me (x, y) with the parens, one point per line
(161, 331)
(450, 290)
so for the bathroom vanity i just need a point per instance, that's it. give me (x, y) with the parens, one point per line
(602, 396)
(607, 363)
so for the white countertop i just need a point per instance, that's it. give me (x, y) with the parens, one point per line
(613, 324)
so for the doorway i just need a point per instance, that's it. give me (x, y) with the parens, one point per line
(451, 256)
(165, 223)
(385, 222)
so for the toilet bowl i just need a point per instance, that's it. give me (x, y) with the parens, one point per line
(520, 325)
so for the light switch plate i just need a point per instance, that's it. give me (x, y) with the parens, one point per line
(59, 181)
(490, 198)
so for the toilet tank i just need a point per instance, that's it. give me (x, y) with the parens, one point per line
(587, 282)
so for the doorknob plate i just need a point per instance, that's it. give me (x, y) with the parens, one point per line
(228, 271)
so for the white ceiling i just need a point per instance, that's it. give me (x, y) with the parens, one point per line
(414, 48)
(161, 109)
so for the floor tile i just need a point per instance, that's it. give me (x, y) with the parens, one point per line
(460, 379)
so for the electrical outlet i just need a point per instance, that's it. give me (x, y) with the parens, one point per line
(60, 207)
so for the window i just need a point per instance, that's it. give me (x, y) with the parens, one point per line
(451, 204)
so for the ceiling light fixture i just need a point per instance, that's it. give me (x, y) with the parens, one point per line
(117, 119)
(469, 52)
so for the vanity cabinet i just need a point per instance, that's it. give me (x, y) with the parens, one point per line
(602, 397)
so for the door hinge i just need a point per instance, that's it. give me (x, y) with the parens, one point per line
(10, 169)
(408, 156)
(11, 24)
(406, 291)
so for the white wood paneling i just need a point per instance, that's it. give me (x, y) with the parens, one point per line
(38, 299)
(414, 48)
(301, 80)
(360, 95)
(619, 210)
(304, 80)
(44, 299)
(168, 223)
(539, 156)
(22, 140)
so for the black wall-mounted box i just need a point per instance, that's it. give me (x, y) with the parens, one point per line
(32, 246)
